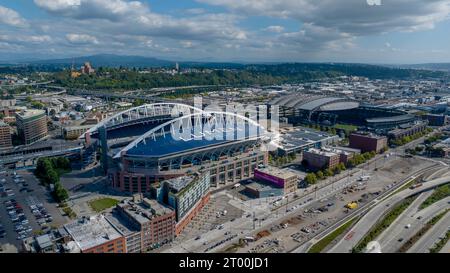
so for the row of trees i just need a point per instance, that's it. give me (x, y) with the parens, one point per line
(360, 159)
(281, 160)
(313, 178)
(48, 171)
(407, 139)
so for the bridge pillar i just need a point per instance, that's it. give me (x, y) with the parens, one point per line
(87, 138)
(104, 148)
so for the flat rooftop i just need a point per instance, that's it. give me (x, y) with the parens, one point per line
(281, 173)
(301, 136)
(179, 183)
(30, 113)
(261, 186)
(368, 135)
(89, 232)
(121, 224)
(144, 211)
(322, 152)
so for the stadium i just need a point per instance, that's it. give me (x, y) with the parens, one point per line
(227, 145)
(327, 110)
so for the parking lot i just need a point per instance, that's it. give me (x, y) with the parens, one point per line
(26, 207)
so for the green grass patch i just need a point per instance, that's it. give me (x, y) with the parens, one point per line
(346, 127)
(407, 185)
(383, 224)
(408, 244)
(101, 204)
(324, 242)
(439, 193)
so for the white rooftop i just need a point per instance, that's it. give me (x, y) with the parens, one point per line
(89, 232)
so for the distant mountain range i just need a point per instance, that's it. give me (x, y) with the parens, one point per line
(292, 71)
(106, 60)
(111, 60)
(425, 66)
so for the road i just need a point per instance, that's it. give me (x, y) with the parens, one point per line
(432, 236)
(446, 248)
(399, 234)
(363, 226)
(360, 211)
(398, 226)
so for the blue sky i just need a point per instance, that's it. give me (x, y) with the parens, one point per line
(397, 31)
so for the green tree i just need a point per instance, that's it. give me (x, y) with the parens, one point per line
(319, 175)
(311, 178)
(329, 172)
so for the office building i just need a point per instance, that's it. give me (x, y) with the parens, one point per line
(321, 159)
(31, 125)
(5, 136)
(367, 142)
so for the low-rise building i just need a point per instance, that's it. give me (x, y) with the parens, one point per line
(299, 139)
(321, 159)
(96, 234)
(367, 142)
(408, 130)
(345, 153)
(73, 132)
(282, 178)
(260, 189)
(155, 221)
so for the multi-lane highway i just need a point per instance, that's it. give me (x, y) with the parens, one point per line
(408, 225)
(432, 236)
(363, 226)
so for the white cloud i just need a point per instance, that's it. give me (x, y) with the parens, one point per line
(349, 17)
(11, 17)
(135, 17)
(276, 29)
(19, 39)
(187, 44)
(81, 38)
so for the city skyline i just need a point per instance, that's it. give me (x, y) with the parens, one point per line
(234, 31)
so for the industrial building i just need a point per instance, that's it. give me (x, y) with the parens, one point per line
(31, 125)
